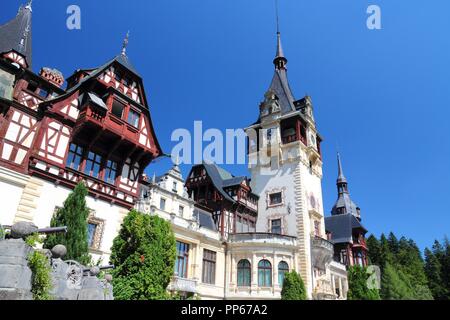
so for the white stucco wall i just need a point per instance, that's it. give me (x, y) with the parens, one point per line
(10, 195)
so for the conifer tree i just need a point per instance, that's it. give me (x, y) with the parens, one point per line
(393, 285)
(437, 267)
(293, 287)
(74, 215)
(393, 243)
(375, 250)
(433, 271)
(144, 254)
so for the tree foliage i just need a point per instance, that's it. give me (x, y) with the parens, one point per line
(144, 256)
(41, 281)
(74, 215)
(402, 267)
(358, 288)
(293, 287)
(437, 269)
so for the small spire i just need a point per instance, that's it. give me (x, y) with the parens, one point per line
(125, 44)
(26, 31)
(154, 178)
(341, 177)
(280, 60)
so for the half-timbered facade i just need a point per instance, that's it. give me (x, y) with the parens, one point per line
(230, 199)
(98, 130)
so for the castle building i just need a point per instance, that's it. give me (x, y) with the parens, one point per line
(344, 226)
(98, 129)
(236, 237)
(286, 172)
(255, 229)
(220, 253)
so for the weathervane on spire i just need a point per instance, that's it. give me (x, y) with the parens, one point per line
(28, 6)
(276, 12)
(125, 44)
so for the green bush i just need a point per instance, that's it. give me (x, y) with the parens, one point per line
(41, 282)
(293, 287)
(144, 256)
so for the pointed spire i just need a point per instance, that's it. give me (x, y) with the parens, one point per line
(16, 34)
(125, 44)
(341, 177)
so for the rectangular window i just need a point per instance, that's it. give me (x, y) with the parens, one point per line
(181, 263)
(180, 210)
(209, 267)
(275, 198)
(91, 234)
(174, 186)
(162, 204)
(92, 167)
(133, 118)
(117, 108)
(276, 226)
(110, 172)
(317, 228)
(75, 156)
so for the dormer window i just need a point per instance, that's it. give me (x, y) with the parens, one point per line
(117, 109)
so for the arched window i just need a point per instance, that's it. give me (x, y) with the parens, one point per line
(244, 272)
(264, 273)
(283, 268)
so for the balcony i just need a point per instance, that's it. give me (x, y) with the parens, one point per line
(324, 290)
(183, 285)
(258, 237)
(107, 121)
(322, 252)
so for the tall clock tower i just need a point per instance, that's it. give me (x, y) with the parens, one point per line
(286, 170)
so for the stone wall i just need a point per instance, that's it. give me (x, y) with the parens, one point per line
(71, 280)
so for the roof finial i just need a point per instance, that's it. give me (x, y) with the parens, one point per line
(28, 6)
(125, 44)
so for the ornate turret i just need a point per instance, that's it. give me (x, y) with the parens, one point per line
(344, 204)
(15, 37)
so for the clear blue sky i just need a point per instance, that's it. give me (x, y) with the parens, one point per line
(382, 96)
